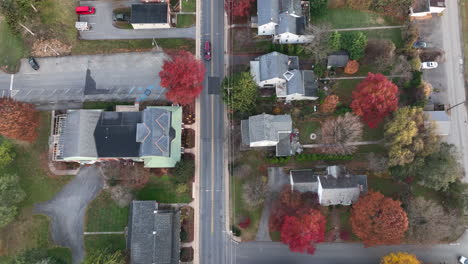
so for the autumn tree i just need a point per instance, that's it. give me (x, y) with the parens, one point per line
(400, 258)
(302, 231)
(7, 153)
(351, 67)
(183, 76)
(374, 98)
(254, 191)
(238, 8)
(355, 43)
(381, 52)
(19, 120)
(378, 220)
(334, 41)
(339, 132)
(329, 103)
(319, 48)
(409, 134)
(240, 92)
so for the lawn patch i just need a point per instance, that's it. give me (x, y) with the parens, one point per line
(12, 48)
(305, 129)
(111, 243)
(107, 106)
(371, 134)
(189, 5)
(163, 190)
(388, 187)
(185, 20)
(114, 46)
(350, 18)
(104, 215)
(344, 89)
(275, 236)
(393, 34)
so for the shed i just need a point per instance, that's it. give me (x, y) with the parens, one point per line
(338, 59)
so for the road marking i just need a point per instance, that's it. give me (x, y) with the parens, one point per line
(11, 81)
(131, 90)
(212, 164)
(211, 32)
(3, 93)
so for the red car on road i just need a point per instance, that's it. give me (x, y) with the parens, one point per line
(207, 53)
(85, 10)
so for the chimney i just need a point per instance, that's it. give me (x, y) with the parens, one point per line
(333, 171)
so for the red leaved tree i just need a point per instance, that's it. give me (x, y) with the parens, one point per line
(238, 8)
(375, 98)
(378, 220)
(302, 231)
(18, 120)
(183, 76)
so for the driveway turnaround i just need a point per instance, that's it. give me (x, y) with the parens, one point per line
(67, 210)
(102, 27)
(71, 79)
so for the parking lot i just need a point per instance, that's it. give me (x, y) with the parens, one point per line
(102, 27)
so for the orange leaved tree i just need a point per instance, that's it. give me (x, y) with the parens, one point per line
(400, 258)
(18, 120)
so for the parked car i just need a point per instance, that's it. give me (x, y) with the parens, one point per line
(85, 10)
(207, 53)
(462, 260)
(121, 17)
(33, 63)
(429, 65)
(420, 45)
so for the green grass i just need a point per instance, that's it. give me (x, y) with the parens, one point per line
(104, 215)
(275, 236)
(185, 21)
(375, 148)
(349, 18)
(12, 48)
(387, 187)
(189, 5)
(161, 189)
(58, 19)
(241, 210)
(63, 254)
(111, 243)
(393, 34)
(108, 106)
(29, 230)
(344, 89)
(372, 134)
(305, 129)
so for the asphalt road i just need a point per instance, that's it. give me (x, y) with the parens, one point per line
(214, 242)
(124, 77)
(102, 28)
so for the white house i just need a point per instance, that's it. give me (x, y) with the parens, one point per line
(281, 72)
(425, 8)
(150, 16)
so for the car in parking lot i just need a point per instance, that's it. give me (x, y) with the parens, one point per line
(207, 49)
(85, 10)
(33, 63)
(420, 45)
(462, 260)
(429, 65)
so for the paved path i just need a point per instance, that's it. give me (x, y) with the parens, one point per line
(349, 144)
(103, 233)
(358, 77)
(365, 28)
(102, 27)
(67, 210)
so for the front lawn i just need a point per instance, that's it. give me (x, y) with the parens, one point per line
(188, 5)
(104, 215)
(185, 20)
(350, 18)
(110, 243)
(163, 190)
(12, 48)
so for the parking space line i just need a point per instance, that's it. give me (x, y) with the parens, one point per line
(11, 81)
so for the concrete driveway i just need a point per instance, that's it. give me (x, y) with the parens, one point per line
(67, 210)
(123, 76)
(102, 27)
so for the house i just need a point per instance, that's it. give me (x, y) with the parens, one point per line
(441, 120)
(268, 131)
(334, 187)
(282, 19)
(425, 8)
(153, 234)
(337, 60)
(281, 72)
(303, 180)
(152, 136)
(150, 16)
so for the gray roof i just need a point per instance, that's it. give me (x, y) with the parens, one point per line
(343, 188)
(338, 59)
(78, 138)
(149, 13)
(342, 181)
(303, 176)
(153, 235)
(155, 132)
(273, 65)
(291, 6)
(268, 11)
(283, 148)
(266, 127)
(441, 120)
(295, 84)
(310, 83)
(291, 24)
(420, 6)
(437, 3)
(303, 82)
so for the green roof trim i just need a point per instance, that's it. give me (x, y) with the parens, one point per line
(176, 144)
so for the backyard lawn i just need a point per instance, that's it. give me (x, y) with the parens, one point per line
(393, 34)
(104, 215)
(344, 89)
(185, 20)
(12, 48)
(349, 18)
(189, 5)
(30, 230)
(305, 129)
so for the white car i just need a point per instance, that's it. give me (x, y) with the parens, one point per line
(462, 260)
(429, 65)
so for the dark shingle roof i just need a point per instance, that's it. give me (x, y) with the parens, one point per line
(303, 176)
(338, 59)
(283, 148)
(310, 83)
(340, 182)
(149, 13)
(153, 235)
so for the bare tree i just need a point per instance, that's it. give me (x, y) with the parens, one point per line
(338, 133)
(319, 46)
(377, 162)
(254, 191)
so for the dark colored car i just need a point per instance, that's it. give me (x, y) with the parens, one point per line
(33, 63)
(121, 17)
(85, 10)
(207, 49)
(420, 45)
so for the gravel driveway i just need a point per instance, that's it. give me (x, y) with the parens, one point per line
(67, 210)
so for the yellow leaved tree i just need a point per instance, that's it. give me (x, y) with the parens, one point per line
(400, 258)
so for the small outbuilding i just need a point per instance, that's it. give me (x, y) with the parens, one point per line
(337, 60)
(150, 16)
